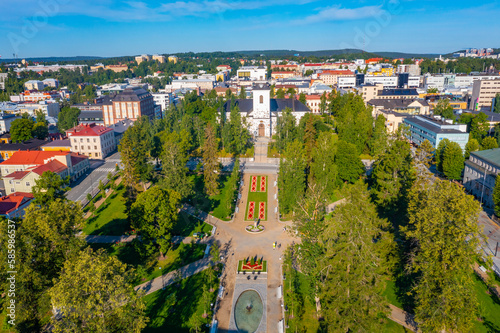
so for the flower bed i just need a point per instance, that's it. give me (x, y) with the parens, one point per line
(253, 187)
(246, 266)
(256, 207)
(262, 210)
(254, 229)
(251, 209)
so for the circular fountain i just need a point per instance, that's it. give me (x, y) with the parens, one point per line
(248, 311)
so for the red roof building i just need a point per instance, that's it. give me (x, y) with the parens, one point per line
(92, 140)
(13, 205)
(24, 167)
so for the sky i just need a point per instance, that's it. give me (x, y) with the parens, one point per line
(45, 28)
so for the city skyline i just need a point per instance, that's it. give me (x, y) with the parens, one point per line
(110, 28)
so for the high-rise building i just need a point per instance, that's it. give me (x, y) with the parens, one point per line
(131, 103)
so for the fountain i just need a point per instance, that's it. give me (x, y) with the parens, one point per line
(248, 311)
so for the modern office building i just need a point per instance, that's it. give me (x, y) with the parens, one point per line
(435, 129)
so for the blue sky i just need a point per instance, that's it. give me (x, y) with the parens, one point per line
(38, 28)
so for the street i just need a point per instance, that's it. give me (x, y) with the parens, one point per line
(98, 171)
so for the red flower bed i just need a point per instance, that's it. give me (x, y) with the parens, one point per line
(253, 187)
(262, 210)
(251, 210)
(263, 184)
(249, 266)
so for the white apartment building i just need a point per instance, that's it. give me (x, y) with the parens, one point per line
(164, 100)
(34, 85)
(3, 78)
(346, 82)
(386, 81)
(252, 73)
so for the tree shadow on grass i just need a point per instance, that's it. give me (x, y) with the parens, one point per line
(188, 296)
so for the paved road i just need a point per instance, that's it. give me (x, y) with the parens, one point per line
(98, 171)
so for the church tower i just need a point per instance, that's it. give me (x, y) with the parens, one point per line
(261, 101)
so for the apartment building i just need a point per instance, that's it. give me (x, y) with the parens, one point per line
(34, 85)
(92, 140)
(159, 58)
(3, 78)
(483, 93)
(13, 205)
(143, 57)
(330, 77)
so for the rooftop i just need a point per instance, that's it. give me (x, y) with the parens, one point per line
(59, 143)
(13, 201)
(396, 103)
(131, 94)
(27, 145)
(434, 125)
(88, 130)
(491, 156)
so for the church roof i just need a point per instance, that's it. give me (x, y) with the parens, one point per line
(276, 104)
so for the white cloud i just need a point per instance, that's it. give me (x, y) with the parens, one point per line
(337, 13)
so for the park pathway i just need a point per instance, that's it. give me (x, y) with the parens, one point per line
(403, 318)
(167, 279)
(261, 150)
(108, 239)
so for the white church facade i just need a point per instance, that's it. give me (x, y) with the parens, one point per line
(261, 112)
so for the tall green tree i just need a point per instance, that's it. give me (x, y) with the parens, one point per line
(424, 154)
(309, 138)
(302, 98)
(243, 93)
(153, 214)
(378, 141)
(280, 93)
(323, 169)
(291, 178)
(174, 158)
(453, 161)
(443, 228)
(352, 279)
(393, 175)
(40, 131)
(472, 145)
(439, 153)
(349, 164)
(489, 143)
(94, 293)
(68, 118)
(210, 162)
(44, 241)
(444, 109)
(286, 129)
(496, 195)
(21, 130)
(354, 121)
(496, 104)
(49, 187)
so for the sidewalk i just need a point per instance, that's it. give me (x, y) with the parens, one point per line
(108, 239)
(203, 216)
(403, 318)
(169, 278)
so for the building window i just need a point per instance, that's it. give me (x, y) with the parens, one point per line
(10, 181)
(94, 140)
(261, 98)
(88, 140)
(12, 190)
(28, 184)
(95, 147)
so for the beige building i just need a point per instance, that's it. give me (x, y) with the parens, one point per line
(377, 91)
(131, 103)
(34, 85)
(393, 120)
(143, 57)
(24, 167)
(92, 140)
(173, 59)
(483, 92)
(330, 78)
(408, 106)
(159, 58)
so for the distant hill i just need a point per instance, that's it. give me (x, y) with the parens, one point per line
(53, 59)
(396, 55)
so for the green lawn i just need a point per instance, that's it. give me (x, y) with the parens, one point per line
(175, 308)
(148, 268)
(256, 197)
(187, 225)
(212, 204)
(110, 218)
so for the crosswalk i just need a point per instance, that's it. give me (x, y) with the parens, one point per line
(105, 169)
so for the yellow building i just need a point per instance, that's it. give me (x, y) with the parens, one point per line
(57, 145)
(173, 59)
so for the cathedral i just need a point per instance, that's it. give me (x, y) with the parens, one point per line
(262, 111)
